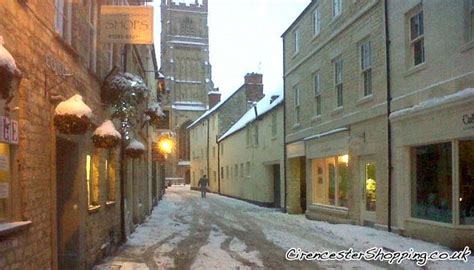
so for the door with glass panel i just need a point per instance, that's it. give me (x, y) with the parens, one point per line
(368, 178)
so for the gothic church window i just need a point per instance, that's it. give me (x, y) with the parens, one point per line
(187, 27)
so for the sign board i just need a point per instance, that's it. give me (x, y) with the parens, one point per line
(8, 130)
(126, 24)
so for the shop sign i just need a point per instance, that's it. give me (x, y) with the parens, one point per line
(126, 24)
(468, 120)
(8, 130)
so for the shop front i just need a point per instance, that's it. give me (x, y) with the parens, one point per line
(434, 171)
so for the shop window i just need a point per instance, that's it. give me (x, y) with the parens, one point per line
(432, 182)
(330, 177)
(110, 174)
(5, 182)
(370, 187)
(466, 182)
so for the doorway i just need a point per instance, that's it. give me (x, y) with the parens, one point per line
(303, 183)
(276, 186)
(68, 191)
(368, 178)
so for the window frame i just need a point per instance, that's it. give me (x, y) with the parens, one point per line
(339, 82)
(419, 38)
(297, 41)
(297, 104)
(11, 205)
(366, 67)
(316, 22)
(336, 8)
(63, 20)
(317, 92)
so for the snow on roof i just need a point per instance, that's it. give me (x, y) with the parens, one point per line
(6, 59)
(135, 144)
(212, 110)
(74, 106)
(263, 106)
(433, 102)
(107, 129)
(180, 107)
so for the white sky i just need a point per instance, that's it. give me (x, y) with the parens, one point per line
(244, 36)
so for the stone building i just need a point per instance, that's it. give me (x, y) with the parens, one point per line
(336, 123)
(61, 199)
(212, 124)
(432, 109)
(252, 163)
(185, 64)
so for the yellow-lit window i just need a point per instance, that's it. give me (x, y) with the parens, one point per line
(110, 174)
(5, 182)
(92, 178)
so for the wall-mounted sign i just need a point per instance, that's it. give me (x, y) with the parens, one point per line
(468, 120)
(8, 130)
(126, 24)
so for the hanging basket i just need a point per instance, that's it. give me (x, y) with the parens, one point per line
(10, 75)
(106, 136)
(71, 124)
(125, 87)
(72, 116)
(134, 153)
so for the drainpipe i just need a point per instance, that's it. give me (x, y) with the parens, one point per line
(389, 126)
(218, 165)
(208, 139)
(284, 134)
(122, 166)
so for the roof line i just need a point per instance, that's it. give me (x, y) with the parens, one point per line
(299, 17)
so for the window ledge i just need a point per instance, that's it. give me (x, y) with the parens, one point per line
(337, 110)
(315, 36)
(296, 126)
(66, 45)
(13, 227)
(316, 119)
(110, 203)
(415, 69)
(93, 209)
(365, 99)
(469, 45)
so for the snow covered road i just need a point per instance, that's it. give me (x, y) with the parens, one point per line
(187, 232)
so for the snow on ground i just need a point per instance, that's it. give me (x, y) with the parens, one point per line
(188, 232)
(211, 256)
(343, 235)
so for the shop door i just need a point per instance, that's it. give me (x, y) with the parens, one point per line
(276, 186)
(368, 178)
(67, 204)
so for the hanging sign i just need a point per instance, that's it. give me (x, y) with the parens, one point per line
(126, 24)
(8, 130)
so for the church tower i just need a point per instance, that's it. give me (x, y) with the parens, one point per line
(185, 64)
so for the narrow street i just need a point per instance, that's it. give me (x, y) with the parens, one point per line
(187, 232)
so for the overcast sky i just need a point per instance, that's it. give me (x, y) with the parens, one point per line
(244, 36)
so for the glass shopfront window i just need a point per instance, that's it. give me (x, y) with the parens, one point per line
(5, 182)
(330, 179)
(432, 185)
(466, 182)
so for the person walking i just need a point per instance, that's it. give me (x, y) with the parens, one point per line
(203, 183)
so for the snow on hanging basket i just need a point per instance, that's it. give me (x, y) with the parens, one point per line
(134, 149)
(123, 87)
(155, 113)
(10, 75)
(106, 136)
(72, 116)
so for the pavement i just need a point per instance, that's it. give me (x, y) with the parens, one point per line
(186, 231)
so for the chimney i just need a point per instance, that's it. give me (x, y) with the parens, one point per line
(214, 97)
(273, 97)
(253, 86)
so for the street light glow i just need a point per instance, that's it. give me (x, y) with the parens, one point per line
(166, 145)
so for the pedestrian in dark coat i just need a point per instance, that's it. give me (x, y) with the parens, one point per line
(203, 183)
